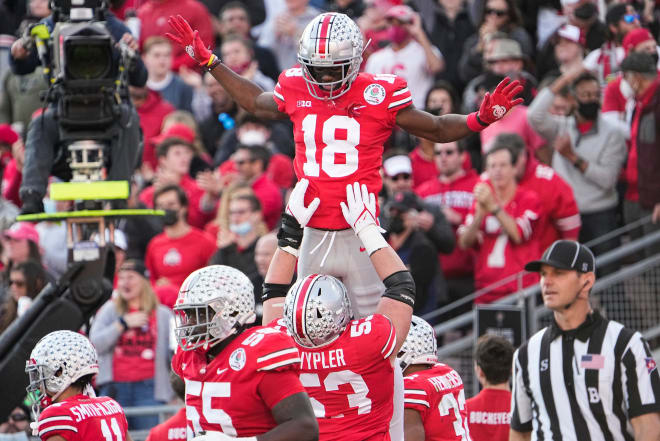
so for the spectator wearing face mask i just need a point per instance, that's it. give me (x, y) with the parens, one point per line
(251, 130)
(236, 244)
(409, 55)
(174, 158)
(589, 152)
(180, 249)
(17, 426)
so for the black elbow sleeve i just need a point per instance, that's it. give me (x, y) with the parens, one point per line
(400, 286)
(274, 290)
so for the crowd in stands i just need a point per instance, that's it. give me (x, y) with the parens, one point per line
(578, 159)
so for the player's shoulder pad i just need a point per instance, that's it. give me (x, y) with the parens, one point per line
(378, 329)
(271, 349)
(388, 88)
(56, 417)
(415, 392)
(288, 79)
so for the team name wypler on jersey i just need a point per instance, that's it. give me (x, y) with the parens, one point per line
(83, 411)
(490, 417)
(447, 381)
(322, 360)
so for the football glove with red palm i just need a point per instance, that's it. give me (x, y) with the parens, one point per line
(494, 106)
(185, 37)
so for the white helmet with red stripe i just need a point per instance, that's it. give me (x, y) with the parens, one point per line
(213, 303)
(330, 41)
(317, 310)
(57, 361)
(420, 346)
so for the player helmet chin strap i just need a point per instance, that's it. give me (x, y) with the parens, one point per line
(572, 302)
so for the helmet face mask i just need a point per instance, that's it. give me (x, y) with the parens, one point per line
(214, 303)
(420, 346)
(330, 41)
(317, 310)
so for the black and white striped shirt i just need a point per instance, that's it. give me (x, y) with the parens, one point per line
(585, 384)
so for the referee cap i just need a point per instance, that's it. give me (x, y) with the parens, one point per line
(566, 254)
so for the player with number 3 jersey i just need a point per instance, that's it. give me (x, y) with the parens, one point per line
(341, 118)
(434, 394)
(61, 367)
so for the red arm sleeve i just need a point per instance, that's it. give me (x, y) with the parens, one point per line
(276, 386)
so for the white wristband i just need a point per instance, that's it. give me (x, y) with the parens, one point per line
(291, 250)
(372, 239)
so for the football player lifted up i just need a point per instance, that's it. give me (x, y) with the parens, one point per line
(61, 367)
(341, 119)
(347, 366)
(240, 382)
(434, 396)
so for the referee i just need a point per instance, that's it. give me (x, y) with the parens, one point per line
(583, 377)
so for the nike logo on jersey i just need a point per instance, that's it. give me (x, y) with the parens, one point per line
(220, 371)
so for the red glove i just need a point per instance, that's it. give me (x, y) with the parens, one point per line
(190, 41)
(495, 106)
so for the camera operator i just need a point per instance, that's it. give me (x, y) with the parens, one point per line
(44, 140)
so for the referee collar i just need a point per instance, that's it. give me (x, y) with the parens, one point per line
(582, 332)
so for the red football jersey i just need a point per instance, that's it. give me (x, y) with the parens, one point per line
(560, 217)
(81, 418)
(340, 141)
(489, 414)
(498, 257)
(437, 394)
(235, 392)
(458, 196)
(175, 428)
(350, 382)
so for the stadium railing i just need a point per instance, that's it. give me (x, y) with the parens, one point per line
(627, 295)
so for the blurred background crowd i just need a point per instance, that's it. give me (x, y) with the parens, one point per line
(579, 158)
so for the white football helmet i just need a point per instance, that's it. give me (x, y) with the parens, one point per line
(58, 360)
(213, 303)
(420, 346)
(317, 310)
(331, 40)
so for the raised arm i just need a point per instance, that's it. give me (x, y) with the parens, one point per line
(283, 265)
(399, 296)
(247, 94)
(452, 127)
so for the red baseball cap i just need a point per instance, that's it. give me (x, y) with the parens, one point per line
(23, 230)
(178, 130)
(7, 134)
(402, 13)
(634, 37)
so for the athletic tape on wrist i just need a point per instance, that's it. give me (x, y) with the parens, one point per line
(372, 239)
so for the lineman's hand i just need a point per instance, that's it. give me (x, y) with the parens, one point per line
(185, 37)
(360, 207)
(296, 205)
